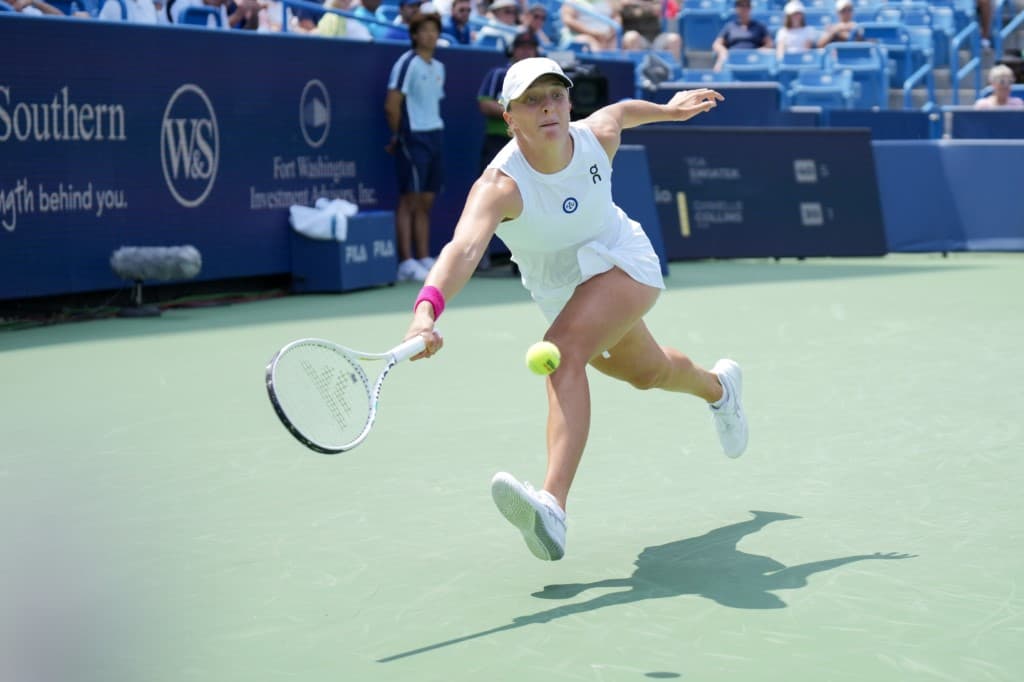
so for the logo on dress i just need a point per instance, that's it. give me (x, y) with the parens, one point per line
(570, 205)
(594, 177)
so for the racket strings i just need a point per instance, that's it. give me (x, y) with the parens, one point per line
(323, 393)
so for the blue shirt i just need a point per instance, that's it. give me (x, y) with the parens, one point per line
(423, 87)
(461, 34)
(751, 36)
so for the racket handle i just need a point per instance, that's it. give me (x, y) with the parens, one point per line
(407, 349)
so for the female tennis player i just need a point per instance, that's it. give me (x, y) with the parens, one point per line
(589, 267)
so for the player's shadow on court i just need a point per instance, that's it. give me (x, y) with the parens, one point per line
(709, 566)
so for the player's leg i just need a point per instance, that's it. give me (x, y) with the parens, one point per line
(599, 314)
(422, 204)
(639, 360)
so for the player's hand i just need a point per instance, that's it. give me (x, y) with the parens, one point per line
(686, 104)
(433, 338)
(392, 146)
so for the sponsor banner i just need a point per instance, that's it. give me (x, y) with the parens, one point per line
(740, 192)
(115, 135)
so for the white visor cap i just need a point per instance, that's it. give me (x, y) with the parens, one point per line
(521, 75)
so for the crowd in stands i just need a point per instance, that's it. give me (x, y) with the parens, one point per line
(623, 27)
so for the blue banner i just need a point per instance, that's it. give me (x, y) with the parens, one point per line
(114, 134)
(741, 192)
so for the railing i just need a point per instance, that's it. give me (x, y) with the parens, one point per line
(316, 7)
(927, 73)
(970, 32)
(1002, 34)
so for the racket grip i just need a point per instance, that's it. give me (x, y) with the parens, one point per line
(409, 348)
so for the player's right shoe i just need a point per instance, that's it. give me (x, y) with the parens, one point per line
(730, 419)
(535, 513)
(411, 269)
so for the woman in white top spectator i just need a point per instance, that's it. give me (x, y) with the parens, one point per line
(1001, 78)
(795, 35)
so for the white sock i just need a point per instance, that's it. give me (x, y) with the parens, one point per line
(725, 396)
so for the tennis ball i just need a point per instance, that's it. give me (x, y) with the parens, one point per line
(543, 357)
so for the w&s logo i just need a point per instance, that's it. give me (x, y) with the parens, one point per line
(189, 145)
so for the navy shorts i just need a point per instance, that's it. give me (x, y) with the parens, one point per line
(418, 162)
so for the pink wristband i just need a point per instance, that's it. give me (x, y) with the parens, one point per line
(436, 298)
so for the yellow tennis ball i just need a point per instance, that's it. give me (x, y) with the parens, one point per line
(543, 357)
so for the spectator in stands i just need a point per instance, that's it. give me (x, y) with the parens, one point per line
(740, 33)
(456, 24)
(495, 131)
(137, 12)
(337, 26)
(413, 109)
(303, 20)
(795, 35)
(371, 9)
(642, 28)
(35, 8)
(533, 21)
(1001, 78)
(984, 8)
(580, 25)
(845, 29)
(506, 13)
(246, 13)
(407, 10)
(229, 18)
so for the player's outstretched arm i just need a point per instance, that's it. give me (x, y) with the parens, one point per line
(609, 122)
(493, 198)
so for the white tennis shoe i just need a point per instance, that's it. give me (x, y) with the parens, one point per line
(730, 419)
(411, 270)
(535, 513)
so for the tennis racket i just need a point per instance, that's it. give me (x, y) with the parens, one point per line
(322, 393)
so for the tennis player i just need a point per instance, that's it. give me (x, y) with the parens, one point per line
(590, 268)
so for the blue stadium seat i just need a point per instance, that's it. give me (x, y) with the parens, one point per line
(200, 16)
(792, 63)
(752, 65)
(700, 22)
(772, 20)
(4, 7)
(706, 76)
(819, 18)
(867, 62)
(821, 88)
(896, 39)
(491, 41)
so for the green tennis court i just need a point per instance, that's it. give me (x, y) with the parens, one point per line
(159, 524)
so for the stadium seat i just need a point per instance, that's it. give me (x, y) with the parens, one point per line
(792, 63)
(700, 22)
(4, 7)
(752, 65)
(825, 89)
(896, 39)
(867, 62)
(200, 16)
(705, 76)
(491, 41)
(772, 20)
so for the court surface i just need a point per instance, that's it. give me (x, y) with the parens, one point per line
(159, 524)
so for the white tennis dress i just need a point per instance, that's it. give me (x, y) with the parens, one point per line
(570, 229)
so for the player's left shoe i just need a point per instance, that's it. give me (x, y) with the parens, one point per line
(730, 419)
(535, 513)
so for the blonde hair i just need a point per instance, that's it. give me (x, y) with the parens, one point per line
(1000, 72)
